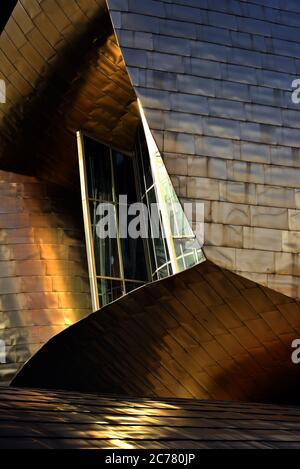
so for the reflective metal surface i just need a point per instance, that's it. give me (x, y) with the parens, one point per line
(63, 72)
(43, 272)
(215, 80)
(43, 419)
(206, 333)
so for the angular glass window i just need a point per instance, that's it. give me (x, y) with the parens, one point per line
(135, 227)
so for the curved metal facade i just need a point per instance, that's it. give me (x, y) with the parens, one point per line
(63, 71)
(205, 333)
(215, 79)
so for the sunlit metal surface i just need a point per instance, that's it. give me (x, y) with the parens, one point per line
(215, 80)
(43, 271)
(205, 333)
(58, 420)
(64, 72)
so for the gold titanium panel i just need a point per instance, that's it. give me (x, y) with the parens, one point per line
(205, 333)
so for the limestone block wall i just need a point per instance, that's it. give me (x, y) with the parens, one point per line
(215, 79)
(43, 274)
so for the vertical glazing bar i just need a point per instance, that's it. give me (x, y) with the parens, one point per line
(87, 223)
(116, 206)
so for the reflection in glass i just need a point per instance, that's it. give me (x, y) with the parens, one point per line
(124, 177)
(119, 264)
(134, 261)
(109, 290)
(110, 174)
(176, 239)
(98, 169)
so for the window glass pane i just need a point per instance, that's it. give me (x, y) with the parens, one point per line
(134, 259)
(164, 272)
(98, 168)
(124, 177)
(109, 290)
(105, 249)
(190, 260)
(130, 286)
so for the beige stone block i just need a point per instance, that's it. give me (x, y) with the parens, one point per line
(282, 176)
(286, 284)
(222, 256)
(287, 263)
(230, 214)
(255, 152)
(223, 235)
(250, 260)
(197, 166)
(276, 196)
(179, 143)
(203, 188)
(291, 241)
(217, 168)
(176, 164)
(257, 277)
(294, 220)
(206, 204)
(237, 192)
(183, 183)
(245, 172)
(213, 234)
(269, 217)
(297, 198)
(262, 239)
